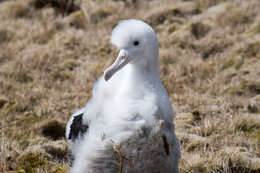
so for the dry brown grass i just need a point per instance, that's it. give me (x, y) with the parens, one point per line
(51, 54)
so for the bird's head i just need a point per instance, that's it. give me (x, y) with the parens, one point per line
(138, 46)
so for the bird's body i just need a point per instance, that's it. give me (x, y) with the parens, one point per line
(129, 117)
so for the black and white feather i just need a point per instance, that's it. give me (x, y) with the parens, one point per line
(75, 129)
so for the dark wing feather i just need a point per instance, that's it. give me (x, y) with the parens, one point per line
(77, 127)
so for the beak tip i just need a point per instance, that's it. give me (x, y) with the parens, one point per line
(106, 76)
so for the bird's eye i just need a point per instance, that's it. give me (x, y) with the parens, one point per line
(136, 43)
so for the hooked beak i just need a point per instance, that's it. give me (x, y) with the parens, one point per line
(120, 62)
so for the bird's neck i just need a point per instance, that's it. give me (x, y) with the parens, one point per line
(136, 77)
(148, 65)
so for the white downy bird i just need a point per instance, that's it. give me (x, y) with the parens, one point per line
(127, 125)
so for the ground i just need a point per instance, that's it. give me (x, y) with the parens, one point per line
(51, 53)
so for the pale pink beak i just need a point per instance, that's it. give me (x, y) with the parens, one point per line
(120, 62)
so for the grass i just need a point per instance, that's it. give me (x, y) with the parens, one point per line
(51, 53)
(30, 162)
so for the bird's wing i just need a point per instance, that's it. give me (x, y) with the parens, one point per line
(75, 127)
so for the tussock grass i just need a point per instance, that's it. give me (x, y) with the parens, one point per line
(52, 129)
(51, 53)
(15, 9)
(62, 6)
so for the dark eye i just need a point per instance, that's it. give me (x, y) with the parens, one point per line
(136, 43)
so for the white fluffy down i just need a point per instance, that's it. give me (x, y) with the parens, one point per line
(130, 113)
